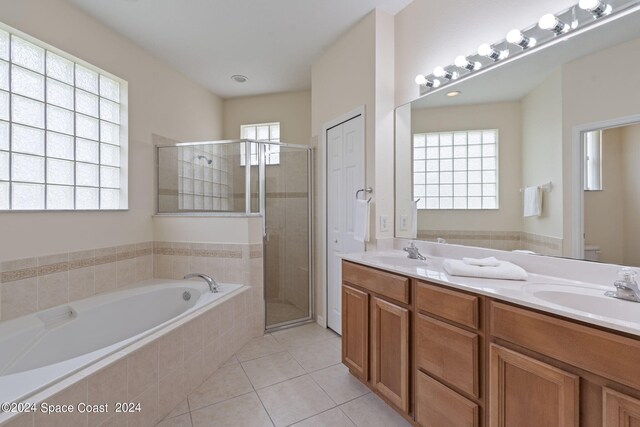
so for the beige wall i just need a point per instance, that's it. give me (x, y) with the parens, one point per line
(585, 102)
(429, 33)
(504, 116)
(630, 162)
(604, 224)
(542, 153)
(291, 109)
(161, 101)
(357, 70)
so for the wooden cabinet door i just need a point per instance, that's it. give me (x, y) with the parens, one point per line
(355, 331)
(619, 410)
(390, 352)
(525, 392)
(439, 406)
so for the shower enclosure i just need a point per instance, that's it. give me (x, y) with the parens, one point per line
(212, 178)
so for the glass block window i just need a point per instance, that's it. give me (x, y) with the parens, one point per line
(262, 132)
(456, 170)
(60, 136)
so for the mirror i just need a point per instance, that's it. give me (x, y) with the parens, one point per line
(537, 154)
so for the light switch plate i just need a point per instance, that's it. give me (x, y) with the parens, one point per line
(404, 222)
(384, 223)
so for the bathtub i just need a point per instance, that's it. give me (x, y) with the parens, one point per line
(42, 348)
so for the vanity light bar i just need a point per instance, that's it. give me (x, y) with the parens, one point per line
(550, 22)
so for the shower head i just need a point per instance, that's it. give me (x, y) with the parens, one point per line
(201, 157)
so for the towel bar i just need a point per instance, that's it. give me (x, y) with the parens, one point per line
(366, 190)
(544, 187)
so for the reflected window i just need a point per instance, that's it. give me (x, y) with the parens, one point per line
(269, 132)
(62, 130)
(593, 161)
(456, 170)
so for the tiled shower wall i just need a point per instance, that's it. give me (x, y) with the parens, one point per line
(33, 284)
(501, 240)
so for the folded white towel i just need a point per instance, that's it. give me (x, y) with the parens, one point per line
(482, 262)
(505, 271)
(532, 201)
(524, 251)
(413, 232)
(361, 221)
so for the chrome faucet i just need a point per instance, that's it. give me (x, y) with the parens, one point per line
(414, 252)
(213, 285)
(626, 286)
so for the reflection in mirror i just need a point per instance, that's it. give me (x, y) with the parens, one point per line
(523, 157)
(612, 195)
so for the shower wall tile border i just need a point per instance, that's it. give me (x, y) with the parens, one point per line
(46, 281)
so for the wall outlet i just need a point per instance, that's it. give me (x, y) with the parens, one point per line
(404, 222)
(384, 223)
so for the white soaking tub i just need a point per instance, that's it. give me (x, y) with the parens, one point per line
(42, 348)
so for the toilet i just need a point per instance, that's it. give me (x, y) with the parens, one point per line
(592, 253)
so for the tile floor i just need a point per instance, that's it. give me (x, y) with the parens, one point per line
(287, 378)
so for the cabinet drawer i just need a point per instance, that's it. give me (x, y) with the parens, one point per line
(380, 282)
(603, 353)
(455, 306)
(439, 406)
(448, 353)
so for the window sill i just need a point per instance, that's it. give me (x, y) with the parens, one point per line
(210, 214)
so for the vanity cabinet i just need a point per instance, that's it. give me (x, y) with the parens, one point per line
(444, 357)
(375, 331)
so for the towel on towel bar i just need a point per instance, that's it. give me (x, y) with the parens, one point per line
(361, 221)
(532, 201)
(505, 271)
(413, 232)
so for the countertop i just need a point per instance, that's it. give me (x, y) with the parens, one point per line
(572, 299)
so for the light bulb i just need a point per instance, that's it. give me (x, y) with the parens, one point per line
(516, 37)
(462, 62)
(491, 53)
(421, 79)
(596, 7)
(442, 73)
(484, 49)
(552, 23)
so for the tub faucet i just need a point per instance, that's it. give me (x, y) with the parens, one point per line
(414, 252)
(213, 285)
(626, 286)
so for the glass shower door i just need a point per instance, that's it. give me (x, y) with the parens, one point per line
(287, 240)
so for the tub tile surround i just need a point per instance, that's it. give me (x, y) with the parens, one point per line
(33, 284)
(159, 371)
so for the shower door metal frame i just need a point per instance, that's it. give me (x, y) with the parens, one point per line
(263, 198)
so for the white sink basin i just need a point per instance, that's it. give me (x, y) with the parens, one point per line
(398, 260)
(591, 300)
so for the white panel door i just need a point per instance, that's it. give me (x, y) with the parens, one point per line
(345, 176)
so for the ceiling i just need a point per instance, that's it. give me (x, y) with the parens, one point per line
(272, 42)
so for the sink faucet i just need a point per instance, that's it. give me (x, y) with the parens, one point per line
(213, 285)
(414, 252)
(626, 286)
